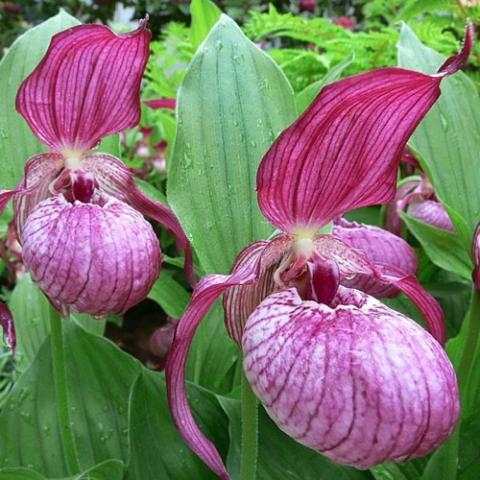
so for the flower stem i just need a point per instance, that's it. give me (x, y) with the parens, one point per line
(471, 340)
(248, 458)
(465, 364)
(61, 397)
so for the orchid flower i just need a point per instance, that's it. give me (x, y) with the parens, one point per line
(335, 368)
(416, 196)
(79, 213)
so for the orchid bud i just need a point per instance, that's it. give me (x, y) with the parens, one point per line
(98, 258)
(307, 5)
(476, 258)
(356, 381)
(7, 325)
(161, 340)
(432, 212)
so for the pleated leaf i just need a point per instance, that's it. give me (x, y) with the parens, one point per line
(31, 313)
(99, 379)
(232, 104)
(157, 451)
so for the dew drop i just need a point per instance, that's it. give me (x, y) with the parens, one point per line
(444, 122)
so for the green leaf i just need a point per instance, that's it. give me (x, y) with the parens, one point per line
(214, 355)
(445, 249)
(279, 456)
(469, 458)
(157, 451)
(30, 310)
(108, 470)
(31, 313)
(99, 379)
(232, 104)
(205, 15)
(17, 142)
(19, 474)
(392, 471)
(448, 138)
(308, 94)
(169, 294)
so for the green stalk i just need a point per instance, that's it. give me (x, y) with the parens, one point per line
(248, 457)
(471, 341)
(472, 335)
(61, 396)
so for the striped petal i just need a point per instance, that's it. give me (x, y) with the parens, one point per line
(204, 296)
(431, 212)
(116, 180)
(240, 301)
(344, 150)
(381, 248)
(40, 171)
(355, 263)
(333, 379)
(86, 86)
(427, 305)
(98, 258)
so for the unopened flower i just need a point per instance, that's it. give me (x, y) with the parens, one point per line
(345, 22)
(416, 197)
(161, 340)
(327, 361)
(307, 5)
(79, 214)
(8, 327)
(476, 258)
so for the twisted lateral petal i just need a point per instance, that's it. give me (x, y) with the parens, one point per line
(381, 248)
(240, 301)
(354, 263)
(204, 295)
(8, 327)
(350, 261)
(343, 152)
(116, 180)
(358, 382)
(431, 212)
(40, 171)
(91, 258)
(86, 86)
(5, 197)
(456, 62)
(429, 308)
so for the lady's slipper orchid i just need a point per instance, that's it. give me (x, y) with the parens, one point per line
(325, 359)
(79, 214)
(416, 196)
